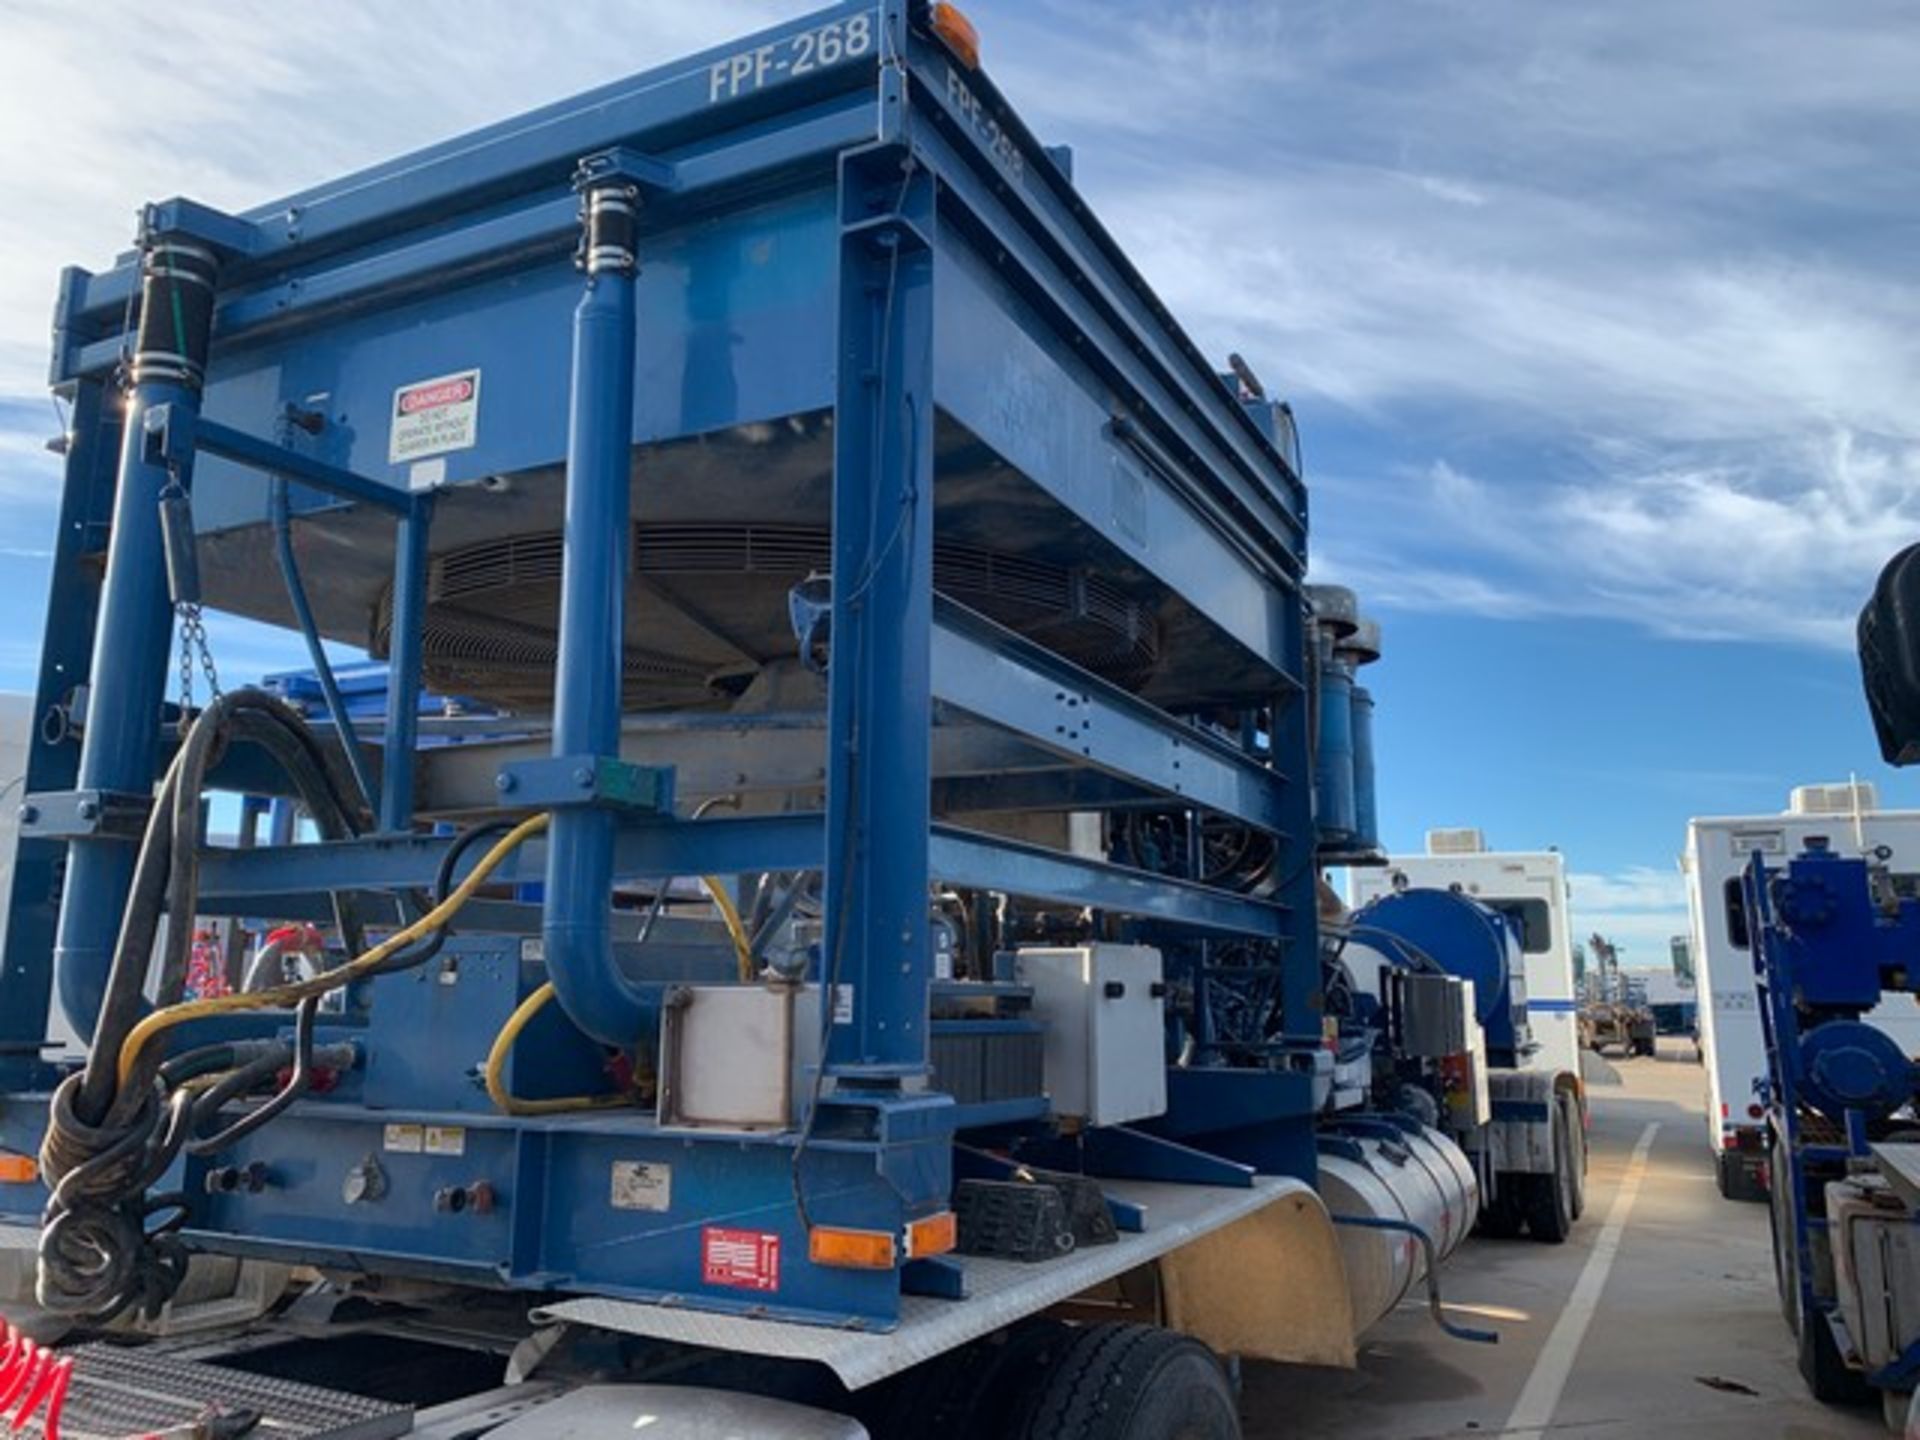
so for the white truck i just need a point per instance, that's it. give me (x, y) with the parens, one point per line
(1734, 1054)
(1530, 886)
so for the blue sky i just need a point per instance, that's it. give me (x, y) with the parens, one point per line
(1599, 320)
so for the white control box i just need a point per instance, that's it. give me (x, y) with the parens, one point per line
(1104, 1007)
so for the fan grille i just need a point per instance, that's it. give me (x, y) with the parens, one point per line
(492, 609)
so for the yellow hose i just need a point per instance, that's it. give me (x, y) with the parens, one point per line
(729, 912)
(284, 995)
(497, 1067)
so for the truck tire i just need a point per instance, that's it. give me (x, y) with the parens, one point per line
(967, 1392)
(1577, 1151)
(1830, 1380)
(1550, 1203)
(1786, 1275)
(1503, 1217)
(1131, 1382)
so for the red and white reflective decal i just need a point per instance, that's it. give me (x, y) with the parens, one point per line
(744, 1259)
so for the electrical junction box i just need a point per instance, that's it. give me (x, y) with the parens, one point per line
(1104, 1007)
(738, 1057)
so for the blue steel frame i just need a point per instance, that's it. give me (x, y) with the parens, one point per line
(1836, 954)
(953, 240)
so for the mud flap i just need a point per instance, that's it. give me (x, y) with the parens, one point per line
(1272, 1285)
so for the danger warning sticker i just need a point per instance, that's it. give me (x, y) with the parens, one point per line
(744, 1259)
(431, 417)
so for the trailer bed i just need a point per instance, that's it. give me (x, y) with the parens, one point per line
(999, 1292)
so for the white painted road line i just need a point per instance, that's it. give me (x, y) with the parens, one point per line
(1533, 1411)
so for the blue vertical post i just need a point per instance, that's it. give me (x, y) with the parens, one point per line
(576, 929)
(73, 591)
(878, 699)
(1366, 803)
(403, 665)
(127, 685)
(1292, 756)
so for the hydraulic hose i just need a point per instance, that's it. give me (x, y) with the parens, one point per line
(166, 872)
(280, 996)
(282, 520)
(736, 928)
(118, 1124)
(496, 1068)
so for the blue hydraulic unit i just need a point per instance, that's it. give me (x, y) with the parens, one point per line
(1341, 641)
(1830, 937)
(779, 440)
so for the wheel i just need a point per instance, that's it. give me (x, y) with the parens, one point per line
(1830, 1380)
(1645, 1045)
(1577, 1154)
(1550, 1199)
(1736, 1179)
(1502, 1218)
(1130, 1382)
(1780, 1221)
(967, 1392)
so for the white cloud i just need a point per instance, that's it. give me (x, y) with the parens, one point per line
(1662, 303)
(1639, 909)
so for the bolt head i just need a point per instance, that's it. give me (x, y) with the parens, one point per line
(505, 784)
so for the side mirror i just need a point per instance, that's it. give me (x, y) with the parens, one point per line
(1890, 657)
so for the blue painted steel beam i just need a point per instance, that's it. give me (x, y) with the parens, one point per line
(173, 435)
(999, 676)
(132, 639)
(879, 707)
(987, 862)
(536, 233)
(73, 596)
(689, 114)
(253, 881)
(248, 881)
(1104, 296)
(403, 666)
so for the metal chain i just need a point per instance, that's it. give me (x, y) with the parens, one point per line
(193, 645)
(193, 635)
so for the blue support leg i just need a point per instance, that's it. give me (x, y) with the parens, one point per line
(879, 703)
(127, 684)
(26, 978)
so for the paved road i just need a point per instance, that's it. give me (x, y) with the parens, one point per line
(1686, 1338)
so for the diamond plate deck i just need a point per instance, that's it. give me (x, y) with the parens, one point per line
(119, 1391)
(998, 1291)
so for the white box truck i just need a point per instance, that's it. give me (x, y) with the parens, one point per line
(1734, 1054)
(1530, 886)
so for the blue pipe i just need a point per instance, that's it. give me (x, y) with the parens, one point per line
(1366, 809)
(126, 686)
(575, 925)
(280, 513)
(1333, 759)
(404, 658)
